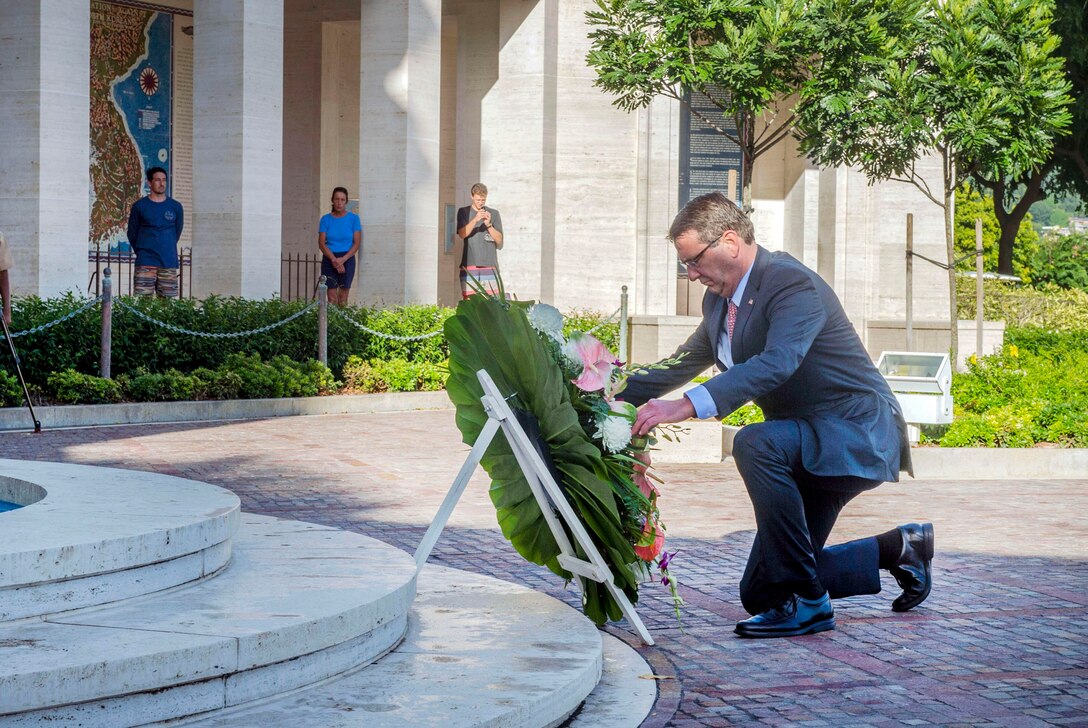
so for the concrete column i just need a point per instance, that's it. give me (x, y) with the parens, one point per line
(518, 144)
(861, 246)
(399, 128)
(802, 215)
(562, 164)
(237, 147)
(655, 258)
(44, 142)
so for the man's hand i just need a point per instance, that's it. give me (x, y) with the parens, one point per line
(485, 216)
(658, 411)
(338, 264)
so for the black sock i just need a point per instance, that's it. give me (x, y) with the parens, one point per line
(809, 589)
(891, 547)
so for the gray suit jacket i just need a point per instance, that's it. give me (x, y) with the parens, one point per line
(797, 356)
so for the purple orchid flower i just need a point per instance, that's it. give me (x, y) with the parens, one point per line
(663, 566)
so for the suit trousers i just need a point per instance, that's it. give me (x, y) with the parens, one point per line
(795, 511)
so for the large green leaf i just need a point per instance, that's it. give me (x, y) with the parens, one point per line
(489, 334)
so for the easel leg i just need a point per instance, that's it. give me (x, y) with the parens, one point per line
(423, 551)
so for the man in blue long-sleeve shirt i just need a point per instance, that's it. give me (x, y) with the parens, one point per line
(154, 227)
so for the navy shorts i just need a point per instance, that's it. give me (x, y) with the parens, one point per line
(338, 280)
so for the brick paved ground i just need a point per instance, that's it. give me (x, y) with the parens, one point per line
(1003, 640)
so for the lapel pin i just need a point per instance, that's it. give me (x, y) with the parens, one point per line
(751, 301)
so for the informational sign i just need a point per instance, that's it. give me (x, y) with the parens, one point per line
(709, 160)
(132, 110)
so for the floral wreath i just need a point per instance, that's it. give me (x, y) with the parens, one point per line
(568, 385)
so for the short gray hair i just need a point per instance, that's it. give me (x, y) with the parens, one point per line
(710, 216)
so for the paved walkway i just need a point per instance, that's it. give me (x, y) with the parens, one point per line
(1002, 641)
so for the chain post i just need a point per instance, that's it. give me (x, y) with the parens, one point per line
(323, 322)
(623, 325)
(978, 287)
(910, 281)
(105, 348)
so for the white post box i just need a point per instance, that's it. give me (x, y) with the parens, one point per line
(922, 383)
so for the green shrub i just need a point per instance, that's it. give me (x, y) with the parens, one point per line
(746, 415)
(71, 387)
(396, 375)
(1032, 391)
(1048, 307)
(969, 430)
(138, 343)
(1062, 261)
(401, 321)
(170, 386)
(73, 344)
(218, 384)
(360, 376)
(1037, 340)
(280, 377)
(11, 393)
(608, 333)
(1013, 424)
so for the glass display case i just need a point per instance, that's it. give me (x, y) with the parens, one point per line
(922, 383)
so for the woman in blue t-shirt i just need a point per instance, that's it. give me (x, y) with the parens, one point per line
(338, 237)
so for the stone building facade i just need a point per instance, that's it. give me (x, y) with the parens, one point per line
(407, 103)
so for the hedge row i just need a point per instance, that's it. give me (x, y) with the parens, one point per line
(1033, 391)
(151, 363)
(240, 377)
(1049, 307)
(138, 345)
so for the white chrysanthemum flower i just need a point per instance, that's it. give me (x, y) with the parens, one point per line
(547, 320)
(614, 432)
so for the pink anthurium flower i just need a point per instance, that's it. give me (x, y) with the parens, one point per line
(597, 363)
(648, 553)
(643, 483)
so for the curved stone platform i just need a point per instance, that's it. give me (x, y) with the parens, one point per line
(298, 603)
(102, 534)
(202, 615)
(479, 652)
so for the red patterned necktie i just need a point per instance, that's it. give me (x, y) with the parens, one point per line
(731, 318)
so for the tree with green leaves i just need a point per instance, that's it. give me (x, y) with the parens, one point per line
(972, 205)
(1062, 260)
(977, 83)
(1065, 171)
(776, 58)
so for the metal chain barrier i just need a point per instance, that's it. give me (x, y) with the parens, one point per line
(228, 335)
(382, 334)
(615, 314)
(86, 306)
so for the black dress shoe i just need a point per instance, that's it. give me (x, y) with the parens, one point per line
(794, 616)
(912, 570)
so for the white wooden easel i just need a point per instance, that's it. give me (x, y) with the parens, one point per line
(547, 494)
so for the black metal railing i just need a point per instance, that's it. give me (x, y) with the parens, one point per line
(123, 268)
(300, 273)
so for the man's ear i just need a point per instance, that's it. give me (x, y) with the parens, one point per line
(732, 242)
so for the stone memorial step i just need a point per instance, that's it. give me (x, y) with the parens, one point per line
(297, 604)
(88, 536)
(478, 652)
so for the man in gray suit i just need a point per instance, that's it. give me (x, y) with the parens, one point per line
(833, 427)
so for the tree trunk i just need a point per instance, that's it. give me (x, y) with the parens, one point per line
(747, 133)
(1009, 221)
(953, 302)
(1005, 244)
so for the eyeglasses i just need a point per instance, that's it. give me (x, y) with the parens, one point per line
(699, 256)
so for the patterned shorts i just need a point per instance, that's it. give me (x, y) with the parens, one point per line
(483, 276)
(151, 280)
